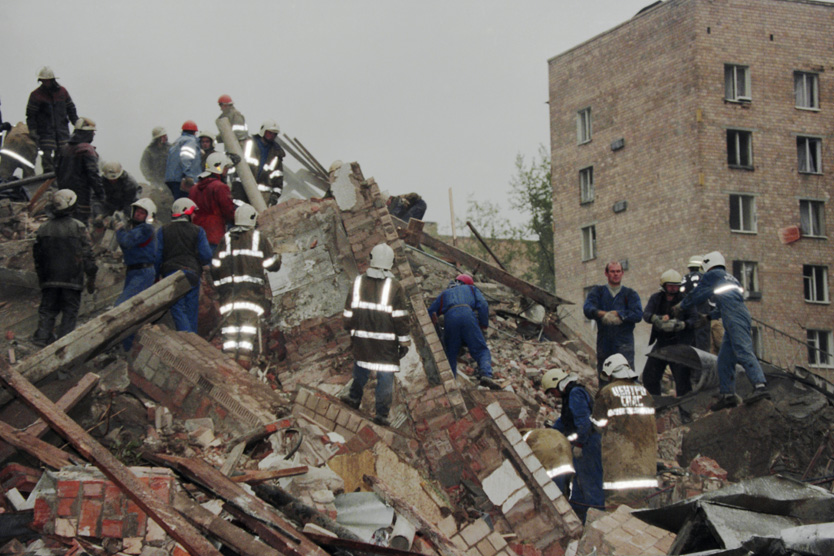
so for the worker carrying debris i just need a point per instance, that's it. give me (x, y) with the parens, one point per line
(737, 344)
(575, 423)
(700, 339)
(376, 315)
(265, 158)
(623, 411)
(466, 315)
(78, 170)
(120, 189)
(181, 245)
(554, 452)
(63, 256)
(239, 272)
(49, 112)
(228, 110)
(408, 206)
(183, 165)
(215, 208)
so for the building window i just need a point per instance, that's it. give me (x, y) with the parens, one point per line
(812, 218)
(736, 82)
(819, 348)
(583, 126)
(758, 341)
(743, 213)
(586, 184)
(747, 272)
(815, 278)
(740, 148)
(806, 89)
(809, 155)
(589, 243)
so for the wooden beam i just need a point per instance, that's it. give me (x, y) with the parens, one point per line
(98, 334)
(255, 477)
(46, 453)
(335, 542)
(170, 521)
(415, 237)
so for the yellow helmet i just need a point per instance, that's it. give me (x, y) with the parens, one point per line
(557, 378)
(670, 277)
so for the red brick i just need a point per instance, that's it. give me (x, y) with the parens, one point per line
(555, 549)
(42, 514)
(478, 413)
(368, 435)
(459, 428)
(161, 487)
(66, 507)
(180, 551)
(94, 489)
(89, 518)
(68, 489)
(111, 528)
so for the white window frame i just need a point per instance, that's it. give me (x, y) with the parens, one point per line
(747, 273)
(808, 154)
(589, 242)
(747, 219)
(739, 154)
(737, 83)
(822, 340)
(806, 90)
(815, 284)
(812, 217)
(758, 341)
(583, 126)
(586, 185)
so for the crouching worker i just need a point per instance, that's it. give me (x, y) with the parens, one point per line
(239, 269)
(554, 452)
(376, 315)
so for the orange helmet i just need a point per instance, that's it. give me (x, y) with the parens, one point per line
(189, 125)
(224, 99)
(465, 279)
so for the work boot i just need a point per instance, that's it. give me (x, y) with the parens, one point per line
(759, 393)
(725, 401)
(488, 382)
(351, 402)
(382, 420)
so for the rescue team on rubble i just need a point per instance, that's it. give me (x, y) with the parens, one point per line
(606, 442)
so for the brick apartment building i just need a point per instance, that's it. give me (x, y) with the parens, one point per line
(703, 125)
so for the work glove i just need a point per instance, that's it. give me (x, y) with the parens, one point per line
(657, 322)
(273, 200)
(667, 326)
(5, 126)
(576, 449)
(186, 183)
(402, 349)
(676, 310)
(234, 158)
(678, 325)
(118, 225)
(91, 284)
(611, 318)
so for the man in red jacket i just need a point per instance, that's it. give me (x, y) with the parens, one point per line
(215, 208)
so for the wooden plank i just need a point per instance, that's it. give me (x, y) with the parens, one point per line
(484, 243)
(171, 522)
(46, 453)
(98, 334)
(67, 402)
(416, 237)
(311, 157)
(201, 472)
(336, 542)
(270, 536)
(255, 477)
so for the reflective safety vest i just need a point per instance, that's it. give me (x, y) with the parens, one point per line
(270, 174)
(238, 269)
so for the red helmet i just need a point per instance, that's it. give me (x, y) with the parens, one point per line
(189, 125)
(465, 279)
(224, 99)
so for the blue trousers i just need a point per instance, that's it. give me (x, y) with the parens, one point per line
(461, 327)
(174, 186)
(737, 347)
(186, 309)
(136, 281)
(587, 483)
(384, 388)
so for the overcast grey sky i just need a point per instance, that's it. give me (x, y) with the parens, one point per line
(425, 95)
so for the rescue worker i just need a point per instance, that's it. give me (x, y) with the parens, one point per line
(615, 309)
(737, 343)
(239, 272)
(181, 245)
(183, 165)
(18, 151)
(206, 147)
(575, 424)
(120, 189)
(155, 157)
(376, 315)
(215, 208)
(138, 245)
(49, 112)
(623, 411)
(408, 206)
(265, 158)
(668, 331)
(553, 450)
(466, 316)
(700, 339)
(63, 256)
(78, 170)
(228, 110)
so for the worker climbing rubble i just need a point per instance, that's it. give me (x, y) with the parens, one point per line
(239, 272)
(228, 110)
(78, 170)
(120, 189)
(408, 206)
(701, 336)
(265, 158)
(623, 411)
(49, 112)
(376, 315)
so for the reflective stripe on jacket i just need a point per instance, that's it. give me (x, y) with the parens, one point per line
(267, 170)
(238, 269)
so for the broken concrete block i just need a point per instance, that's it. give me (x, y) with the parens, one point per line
(343, 189)
(503, 483)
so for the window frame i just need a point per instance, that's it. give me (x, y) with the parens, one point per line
(814, 102)
(584, 126)
(586, 185)
(813, 336)
(757, 337)
(747, 273)
(753, 229)
(815, 278)
(816, 157)
(815, 218)
(731, 83)
(738, 150)
(588, 244)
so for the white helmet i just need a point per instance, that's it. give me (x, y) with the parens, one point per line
(63, 200)
(382, 257)
(711, 260)
(695, 261)
(557, 378)
(616, 366)
(246, 215)
(270, 125)
(183, 207)
(46, 73)
(670, 277)
(85, 124)
(112, 170)
(158, 132)
(148, 205)
(217, 162)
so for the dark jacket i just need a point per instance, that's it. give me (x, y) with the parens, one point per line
(119, 195)
(138, 244)
(181, 245)
(154, 160)
(215, 208)
(239, 264)
(266, 160)
(63, 254)
(48, 114)
(658, 305)
(376, 315)
(78, 170)
(614, 339)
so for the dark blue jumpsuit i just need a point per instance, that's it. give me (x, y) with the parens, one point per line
(467, 312)
(614, 339)
(139, 248)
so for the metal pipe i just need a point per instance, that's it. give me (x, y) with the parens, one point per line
(479, 238)
(26, 181)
